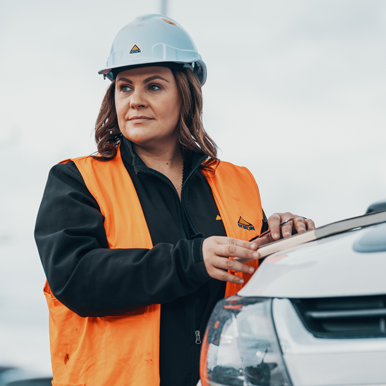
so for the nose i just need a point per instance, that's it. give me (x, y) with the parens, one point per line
(137, 99)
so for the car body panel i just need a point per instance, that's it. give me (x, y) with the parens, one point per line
(327, 267)
(313, 361)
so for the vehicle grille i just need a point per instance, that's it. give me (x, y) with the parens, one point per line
(344, 317)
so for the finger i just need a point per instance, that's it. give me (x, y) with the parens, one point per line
(236, 242)
(274, 225)
(300, 224)
(222, 275)
(286, 230)
(310, 224)
(264, 240)
(228, 250)
(232, 265)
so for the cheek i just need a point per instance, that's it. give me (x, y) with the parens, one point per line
(171, 110)
(120, 110)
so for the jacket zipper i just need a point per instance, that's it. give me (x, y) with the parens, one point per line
(145, 169)
(190, 304)
(182, 198)
(208, 308)
(198, 337)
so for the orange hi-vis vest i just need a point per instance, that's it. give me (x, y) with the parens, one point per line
(123, 349)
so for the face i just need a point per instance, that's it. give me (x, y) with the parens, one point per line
(148, 105)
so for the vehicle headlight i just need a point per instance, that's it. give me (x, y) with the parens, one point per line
(240, 346)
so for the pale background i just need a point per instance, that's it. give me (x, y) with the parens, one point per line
(295, 91)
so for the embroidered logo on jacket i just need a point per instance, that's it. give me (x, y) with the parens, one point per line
(245, 224)
(218, 217)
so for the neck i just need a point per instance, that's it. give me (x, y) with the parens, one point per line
(165, 160)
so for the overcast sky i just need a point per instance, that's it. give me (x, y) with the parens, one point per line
(295, 91)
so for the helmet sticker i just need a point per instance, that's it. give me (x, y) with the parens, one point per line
(136, 49)
(169, 21)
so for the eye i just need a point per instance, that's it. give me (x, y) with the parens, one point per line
(125, 88)
(154, 87)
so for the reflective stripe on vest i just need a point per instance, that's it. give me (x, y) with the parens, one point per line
(123, 350)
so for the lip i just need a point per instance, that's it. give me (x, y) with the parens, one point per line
(140, 118)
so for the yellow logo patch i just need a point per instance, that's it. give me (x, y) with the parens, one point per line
(218, 217)
(245, 224)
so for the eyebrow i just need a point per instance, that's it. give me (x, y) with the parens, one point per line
(147, 80)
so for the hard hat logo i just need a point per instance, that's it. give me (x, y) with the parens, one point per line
(135, 50)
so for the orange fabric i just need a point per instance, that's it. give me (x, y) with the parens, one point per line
(237, 195)
(123, 349)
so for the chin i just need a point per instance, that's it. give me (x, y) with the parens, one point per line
(137, 135)
(140, 139)
(146, 137)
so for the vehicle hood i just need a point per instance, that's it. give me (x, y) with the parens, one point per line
(348, 264)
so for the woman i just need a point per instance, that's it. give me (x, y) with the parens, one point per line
(135, 241)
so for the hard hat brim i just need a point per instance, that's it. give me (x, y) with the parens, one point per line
(113, 71)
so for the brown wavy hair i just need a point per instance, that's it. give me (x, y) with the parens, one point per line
(192, 135)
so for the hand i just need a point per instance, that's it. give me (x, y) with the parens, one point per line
(297, 225)
(216, 251)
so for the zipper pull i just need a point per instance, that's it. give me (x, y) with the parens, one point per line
(198, 337)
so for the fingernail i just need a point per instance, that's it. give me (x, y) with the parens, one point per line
(256, 254)
(241, 281)
(301, 229)
(251, 270)
(253, 246)
(275, 235)
(287, 234)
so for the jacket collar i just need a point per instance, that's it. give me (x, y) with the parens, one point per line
(192, 160)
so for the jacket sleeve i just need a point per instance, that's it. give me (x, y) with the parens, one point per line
(93, 280)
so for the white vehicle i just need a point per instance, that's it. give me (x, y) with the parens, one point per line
(312, 315)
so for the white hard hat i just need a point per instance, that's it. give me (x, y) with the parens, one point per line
(152, 39)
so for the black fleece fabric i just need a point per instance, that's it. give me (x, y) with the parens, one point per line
(93, 280)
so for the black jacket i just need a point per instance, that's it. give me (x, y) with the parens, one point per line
(93, 280)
